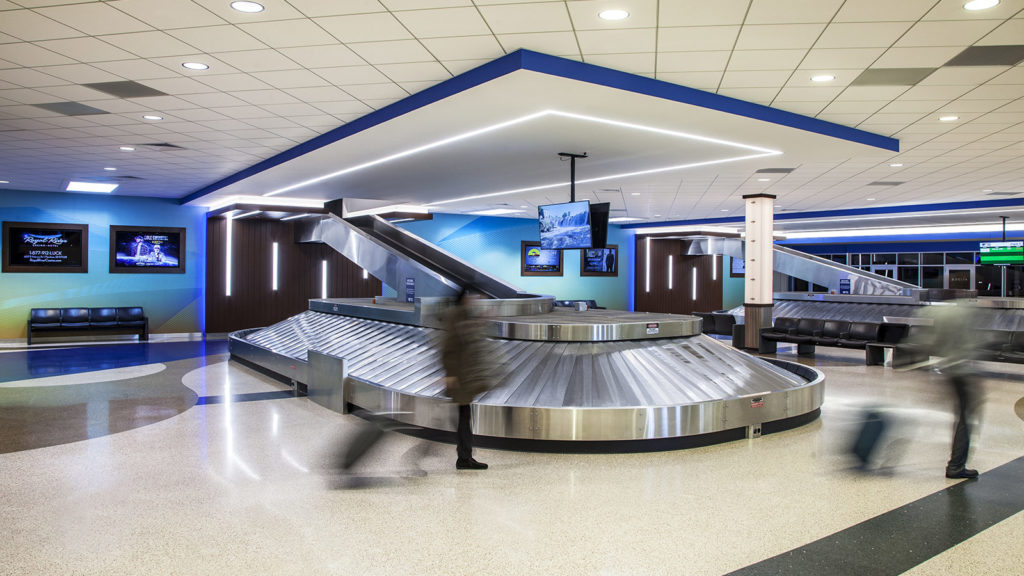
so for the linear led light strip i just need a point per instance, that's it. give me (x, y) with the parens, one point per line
(694, 283)
(227, 254)
(273, 266)
(647, 266)
(670, 272)
(288, 202)
(323, 280)
(458, 137)
(903, 230)
(898, 216)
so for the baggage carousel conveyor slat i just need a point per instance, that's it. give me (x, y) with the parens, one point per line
(580, 391)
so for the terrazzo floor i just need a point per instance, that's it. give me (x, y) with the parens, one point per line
(128, 471)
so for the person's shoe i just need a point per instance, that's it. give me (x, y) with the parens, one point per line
(469, 464)
(965, 473)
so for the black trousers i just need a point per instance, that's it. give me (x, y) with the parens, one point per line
(464, 446)
(961, 432)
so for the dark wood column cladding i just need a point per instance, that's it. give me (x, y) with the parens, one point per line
(253, 302)
(679, 299)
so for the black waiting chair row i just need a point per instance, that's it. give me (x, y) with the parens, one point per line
(130, 318)
(807, 333)
(717, 322)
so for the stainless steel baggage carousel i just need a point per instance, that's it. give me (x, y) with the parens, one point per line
(619, 380)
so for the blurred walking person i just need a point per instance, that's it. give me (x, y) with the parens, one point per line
(469, 361)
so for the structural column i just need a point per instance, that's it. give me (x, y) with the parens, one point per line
(758, 257)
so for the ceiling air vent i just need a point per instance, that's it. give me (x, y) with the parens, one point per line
(125, 89)
(128, 178)
(163, 146)
(1003, 193)
(884, 183)
(989, 56)
(774, 170)
(70, 108)
(891, 76)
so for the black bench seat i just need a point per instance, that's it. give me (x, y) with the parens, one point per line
(130, 319)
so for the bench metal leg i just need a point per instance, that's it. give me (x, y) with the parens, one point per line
(767, 346)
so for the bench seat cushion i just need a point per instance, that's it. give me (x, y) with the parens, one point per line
(44, 317)
(103, 317)
(131, 316)
(74, 317)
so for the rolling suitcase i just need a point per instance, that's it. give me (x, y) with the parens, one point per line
(867, 439)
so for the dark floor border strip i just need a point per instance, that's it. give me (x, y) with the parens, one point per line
(249, 397)
(900, 539)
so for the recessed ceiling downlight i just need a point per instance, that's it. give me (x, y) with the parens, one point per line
(195, 65)
(895, 165)
(949, 118)
(128, 148)
(110, 169)
(613, 15)
(152, 117)
(975, 5)
(248, 7)
(823, 78)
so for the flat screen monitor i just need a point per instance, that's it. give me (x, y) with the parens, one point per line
(42, 247)
(1002, 253)
(599, 261)
(599, 224)
(738, 267)
(537, 261)
(565, 226)
(147, 249)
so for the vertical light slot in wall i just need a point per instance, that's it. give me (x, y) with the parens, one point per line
(694, 272)
(647, 266)
(273, 268)
(670, 272)
(365, 274)
(323, 279)
(227, 256)
(714, 268)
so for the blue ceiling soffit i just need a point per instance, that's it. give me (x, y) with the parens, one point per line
(571, 69)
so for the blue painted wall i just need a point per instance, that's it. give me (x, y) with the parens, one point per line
(493, 243)
(173, 302)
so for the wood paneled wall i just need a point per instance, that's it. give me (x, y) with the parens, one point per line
(679, 299)
(253, 302)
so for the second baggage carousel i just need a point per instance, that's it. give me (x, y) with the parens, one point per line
(594, 376)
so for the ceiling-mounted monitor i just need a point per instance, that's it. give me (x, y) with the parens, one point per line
(1002, 253)
(599, 224)
(565, 226)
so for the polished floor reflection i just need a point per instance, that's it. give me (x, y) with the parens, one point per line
(197, 465)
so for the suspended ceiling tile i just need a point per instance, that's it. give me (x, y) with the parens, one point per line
(213, 99)
(963, 75)
(257, 60)
(914, 108)
(168, 13)
(840, 58)
(217, 38)
(364, 27)
(233, 82)
(32, 26)
(935, 92)
(415, 72)
(765, 59)
(632, 63)
(555, 43)
(395, 5)
(527, 18)
(701, 13)
(289, 33)
(74, 93)
(883, 10)
(95, 18)
(342, 75)
(616, 41)
(778, 36)
(443, 22)
(885, 93)
(266, 97)
(322, 56)
(953, 10)
(853, 106)
(464, 48)
(340, 107)
(376, 91)
(916, 57)
(86, 49)
(761, 79)
(1010, 32)
(861, 35)
(29, 78)
(792, 11)
(938, 33)
(149, 44)
(694, 38)
(692, 61)
(136, 69)
(291, 78)
(175, 64)
(319, 94)
(392, 52)
(820, 94)
(30, 55)
(756, 95)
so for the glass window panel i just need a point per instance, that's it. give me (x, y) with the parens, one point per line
(933, 258)
(931, 276)
(883, 259)
(840, 258)
(988, 280)
(959, 257)
(854, 259)
(908, 274)
(908, 259)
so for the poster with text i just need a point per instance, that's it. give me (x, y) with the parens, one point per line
(44, 247)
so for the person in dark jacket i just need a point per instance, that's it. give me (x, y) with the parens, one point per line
(468, 364)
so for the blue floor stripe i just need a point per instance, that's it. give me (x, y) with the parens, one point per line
(894, 542)
(27, 364)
